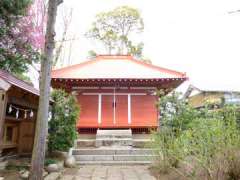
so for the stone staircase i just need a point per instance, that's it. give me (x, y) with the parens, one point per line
(112, 147)
(110, 138)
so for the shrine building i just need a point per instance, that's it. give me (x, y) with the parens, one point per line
(116, 91)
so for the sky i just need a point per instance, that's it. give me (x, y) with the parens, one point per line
(199, 37)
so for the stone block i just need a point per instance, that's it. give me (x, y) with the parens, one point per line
(84, 158)
(140, 143)
(93, 151)
(53, 176)
(85, 143)
(67, 177)
(24, 174)
(52, 168)
(70, 162)
(113, 142)
(133, 157)
(103, 158)
(3, 165)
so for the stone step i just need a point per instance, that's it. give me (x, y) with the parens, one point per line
(85, 143)
(117, 151)
(113, 162)
(138, 143)
(141, 143)
(113, 142)
(115, 157)
(125, 133)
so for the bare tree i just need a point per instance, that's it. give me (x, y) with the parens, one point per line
(66, 18)
(38, 154)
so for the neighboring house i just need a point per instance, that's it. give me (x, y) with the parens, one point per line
(18, 109)
(116, 91)
(214, 98)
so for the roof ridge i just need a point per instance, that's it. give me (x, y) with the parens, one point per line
(106, 56)
(9, 74)
(12, 79)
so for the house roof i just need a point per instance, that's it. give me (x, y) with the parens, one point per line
(115, 67)
(193, 90)
(11, 79)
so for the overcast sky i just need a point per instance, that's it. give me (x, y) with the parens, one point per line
(198, 37)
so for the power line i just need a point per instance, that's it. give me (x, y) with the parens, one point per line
(233, 12)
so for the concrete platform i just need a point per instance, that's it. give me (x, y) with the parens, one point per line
(126, 133)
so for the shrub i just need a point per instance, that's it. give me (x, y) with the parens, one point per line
(164, 143)
(49, 161)
(62, 126)
(175, 113)
(206, 141)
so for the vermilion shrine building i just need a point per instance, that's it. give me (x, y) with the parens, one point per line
(116, 92)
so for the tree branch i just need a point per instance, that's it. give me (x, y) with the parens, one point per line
(59, 2)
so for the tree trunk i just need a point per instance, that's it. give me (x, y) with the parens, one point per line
(38, 154)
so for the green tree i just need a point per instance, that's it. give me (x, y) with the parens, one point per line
(113, 30)
(12, 7)
(175, 113)
(92, 54)
(62, 126)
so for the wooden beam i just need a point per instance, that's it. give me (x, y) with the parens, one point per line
(22, 102)
(119, 94)
(3, 106)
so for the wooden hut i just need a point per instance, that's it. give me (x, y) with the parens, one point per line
(116, 92)
(18, 109)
